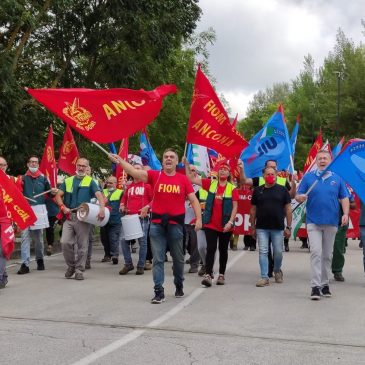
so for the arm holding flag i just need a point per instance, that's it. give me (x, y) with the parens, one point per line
(128, 168)
(194, 178)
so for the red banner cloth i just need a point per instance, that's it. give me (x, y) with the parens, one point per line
(119, 172)
(68, 153)
(209, 123)
(242, 221)
(317, 145)
(104, 116)
(19, 209)
(48, 163)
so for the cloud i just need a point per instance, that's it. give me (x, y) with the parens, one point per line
(263, 42)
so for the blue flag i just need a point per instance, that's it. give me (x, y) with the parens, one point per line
(270, 143)
(148, 154)
(338, 148)
(294, 136)
(112, 149)
(350, 165)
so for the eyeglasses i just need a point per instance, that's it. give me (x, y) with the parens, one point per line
(110, 182)
(193, 170)
(83, 166)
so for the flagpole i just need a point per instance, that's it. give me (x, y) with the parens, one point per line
(186, 146)
(100, 147)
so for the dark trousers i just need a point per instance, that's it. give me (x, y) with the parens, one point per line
(50, 230)
(192, 245)
(212, 237)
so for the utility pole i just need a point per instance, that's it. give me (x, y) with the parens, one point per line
(339, 77)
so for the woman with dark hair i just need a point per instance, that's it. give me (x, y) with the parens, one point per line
(218, 218)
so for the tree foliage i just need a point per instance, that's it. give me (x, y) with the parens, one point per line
(96, 44)
(316, 94)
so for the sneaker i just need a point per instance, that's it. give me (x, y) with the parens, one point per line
(179, 293)
(79, 276)
(252, 248)
(49, 250)
(278, 277)
(40, 265)
(126, 269)
(207, 281)
(201, 272)
(263, 282)
(69, 272)
(159, 297)
(106, 259)
(115, 260)
(286, 247)
(326, 291)
(193, 270)
(24, 269)
(148, 265)
(88, 264)
(338, 276)
(187, 261)
(245, 248)
(140, 271)
(220, 280)
(316, 293)
(304, 245)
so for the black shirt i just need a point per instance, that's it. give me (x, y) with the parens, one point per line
(270, 203)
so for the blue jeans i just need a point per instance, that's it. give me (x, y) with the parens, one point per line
(362, 236)
(263, 236)
(173, 235)
(109, 235)
(142, 245)
(3, 274)
(27, 236)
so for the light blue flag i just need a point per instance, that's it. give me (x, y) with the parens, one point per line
(338, 148)
(294, 136)
(148, 154)
(270, 143)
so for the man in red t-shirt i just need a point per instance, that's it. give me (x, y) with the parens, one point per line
(136, 200)
(170, 189)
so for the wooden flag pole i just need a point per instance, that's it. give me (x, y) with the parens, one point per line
(100, 147)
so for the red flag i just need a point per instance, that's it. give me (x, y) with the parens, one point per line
(19, 209)
(68, 153)
(104, 116)
(234, 123)
(313, 151)
(209, 123)
(48, 163)
(119, 172)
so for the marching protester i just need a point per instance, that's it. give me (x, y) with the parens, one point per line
(137, 201)
(339, 246)
(170, 189)
(258, 181)
(52, 212)
(218, 218)
(270, 206)
(74, 191)
(110, 233)
(191, 234)
(32, 184)
(323, 206)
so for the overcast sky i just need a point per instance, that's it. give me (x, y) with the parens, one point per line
(260, 42)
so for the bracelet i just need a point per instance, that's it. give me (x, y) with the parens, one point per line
(62, 206)
(287, 227)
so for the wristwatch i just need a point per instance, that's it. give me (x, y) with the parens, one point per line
(287, 227)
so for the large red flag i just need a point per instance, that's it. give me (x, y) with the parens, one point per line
(209, 123)
(68, 153)
(104, 116)
(19, 209)
(48, 163)
(317, 145)
(119, 172)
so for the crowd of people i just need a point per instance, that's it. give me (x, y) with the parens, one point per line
(179, 212)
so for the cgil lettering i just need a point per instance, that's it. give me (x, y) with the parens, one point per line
(22, 214)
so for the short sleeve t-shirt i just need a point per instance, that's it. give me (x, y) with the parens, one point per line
(169, 193)
(137, 196)
(270, 203)
(216, 219)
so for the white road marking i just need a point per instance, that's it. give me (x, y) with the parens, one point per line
(155, 323)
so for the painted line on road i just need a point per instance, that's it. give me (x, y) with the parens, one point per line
(155, 323)
(33, 260)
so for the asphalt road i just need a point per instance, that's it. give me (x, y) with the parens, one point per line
(108, 318)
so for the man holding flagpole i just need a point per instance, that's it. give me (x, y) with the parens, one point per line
(324, 191)
(170, 189)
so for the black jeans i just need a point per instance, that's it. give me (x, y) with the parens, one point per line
(50, 230)
(212, 237)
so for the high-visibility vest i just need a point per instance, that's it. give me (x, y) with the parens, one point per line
(85, 182)
(279, 180)
(227, 205)
(116, 195)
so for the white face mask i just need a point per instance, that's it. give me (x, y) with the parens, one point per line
(80, 174)
(33, 170)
